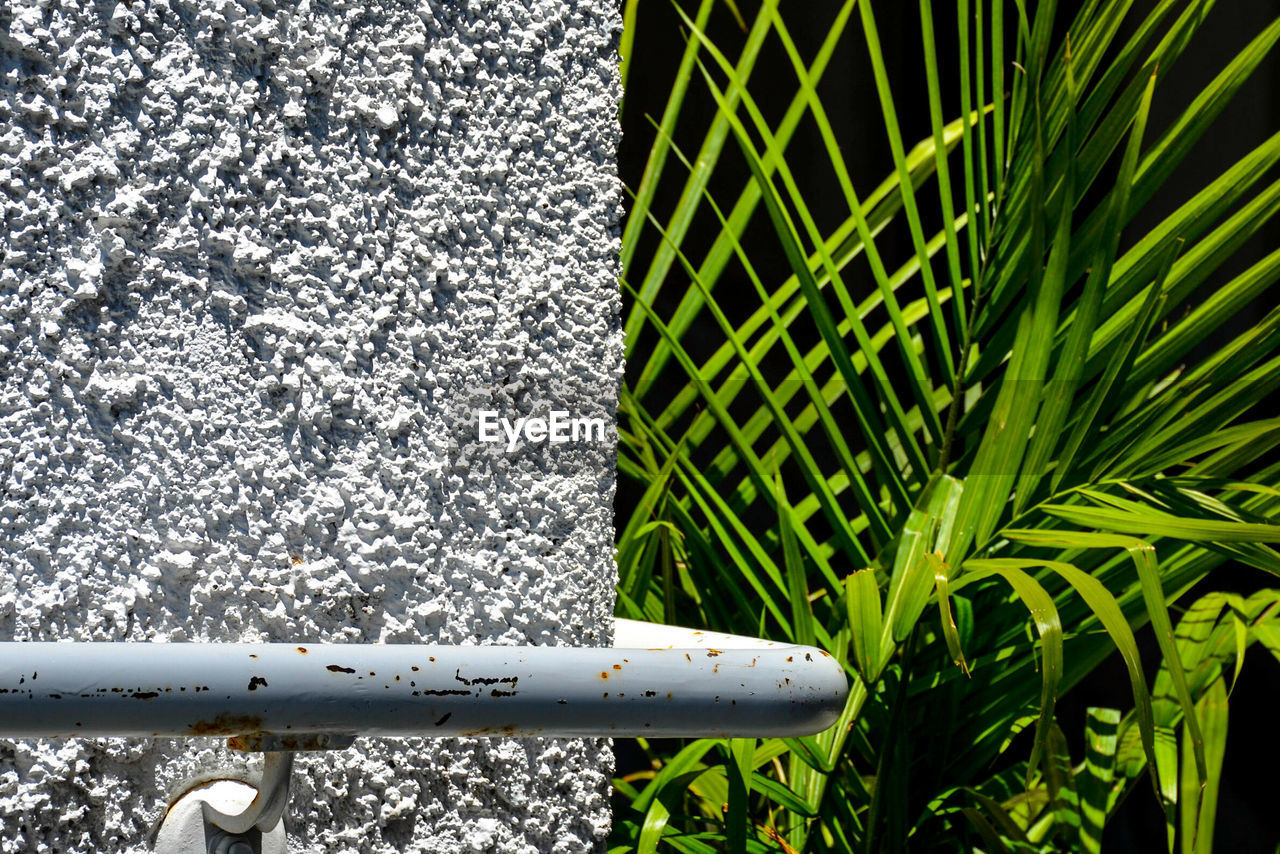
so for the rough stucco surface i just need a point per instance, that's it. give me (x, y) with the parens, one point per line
(261, 264)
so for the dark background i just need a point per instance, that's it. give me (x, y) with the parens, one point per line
(1248, 815)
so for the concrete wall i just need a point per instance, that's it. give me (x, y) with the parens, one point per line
(261, 265)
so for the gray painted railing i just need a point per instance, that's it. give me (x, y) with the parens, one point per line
(316, 695)
(278, 697)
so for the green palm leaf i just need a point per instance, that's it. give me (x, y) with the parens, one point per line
(942, 428)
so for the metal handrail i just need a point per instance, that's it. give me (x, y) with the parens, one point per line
(283, 697)
(276, 696)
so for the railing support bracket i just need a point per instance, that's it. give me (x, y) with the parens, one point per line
(228, 815)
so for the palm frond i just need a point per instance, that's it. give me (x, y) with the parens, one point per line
(971, 431)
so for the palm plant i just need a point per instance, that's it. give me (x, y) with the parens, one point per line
(973, 473)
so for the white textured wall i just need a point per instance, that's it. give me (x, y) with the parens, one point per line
(260, 264)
